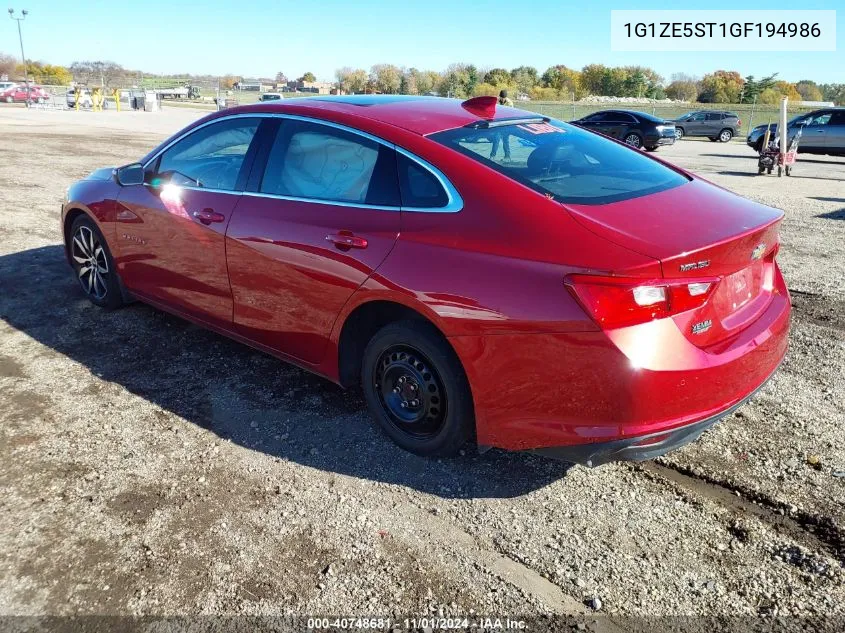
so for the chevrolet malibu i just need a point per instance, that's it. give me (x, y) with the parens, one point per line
(485, 274)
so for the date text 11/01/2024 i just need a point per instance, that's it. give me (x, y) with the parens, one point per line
(721, 29)
(414, 624)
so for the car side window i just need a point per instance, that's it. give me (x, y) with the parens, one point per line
(714, 116)
(419, 187)
(623, 117)
(837, 118)
(211, 157)
(820, 119)
(321, 162)
(595, 118)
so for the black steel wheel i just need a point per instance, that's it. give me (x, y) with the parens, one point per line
(410, 391)
(416, 389)
(93, 264)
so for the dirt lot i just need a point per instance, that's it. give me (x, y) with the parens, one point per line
(151, 467)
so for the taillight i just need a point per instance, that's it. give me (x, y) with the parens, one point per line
(738, 122)
(615, 302)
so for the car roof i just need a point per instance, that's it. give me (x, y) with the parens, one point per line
(418, 114)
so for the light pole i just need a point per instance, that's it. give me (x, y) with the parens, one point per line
(20, 19)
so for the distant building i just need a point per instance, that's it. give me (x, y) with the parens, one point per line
(253, 86)
(317, 87)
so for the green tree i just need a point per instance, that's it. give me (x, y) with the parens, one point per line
(525, 78)
(352, 81)
(497, 77)
(753, 87)
(456, 81)
(592, 79)
(428, 81)
(387, 78)
(833, 92)
(309, 77)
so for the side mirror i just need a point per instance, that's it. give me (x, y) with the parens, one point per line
(129, 175)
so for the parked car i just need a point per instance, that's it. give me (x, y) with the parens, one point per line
(544, 295)
(5, 85)
(715, 125)
(85, 100)
(822, 132)
(271, 96)
(637, 129)
(18, 93)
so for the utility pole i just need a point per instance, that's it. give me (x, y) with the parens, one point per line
(20, 19)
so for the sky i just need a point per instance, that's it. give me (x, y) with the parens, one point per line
(262, 37)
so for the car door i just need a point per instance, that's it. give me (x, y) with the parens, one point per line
(813, 136)
(594, 122)
(170, 231)
(695, 124)
(712, 124)
(320, 214)
(835, 133)
(621, 124)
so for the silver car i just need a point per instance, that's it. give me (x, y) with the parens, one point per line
(823, 132)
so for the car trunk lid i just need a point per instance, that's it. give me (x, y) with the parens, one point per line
(701, 234)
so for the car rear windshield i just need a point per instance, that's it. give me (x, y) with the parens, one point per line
(564, 162)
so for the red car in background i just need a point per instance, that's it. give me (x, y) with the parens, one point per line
(18, 94)
(484, 273)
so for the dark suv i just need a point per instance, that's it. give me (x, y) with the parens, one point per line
(716, 125)
(822, 132)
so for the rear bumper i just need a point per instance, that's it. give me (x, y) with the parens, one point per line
(641, 447)
(599, 393)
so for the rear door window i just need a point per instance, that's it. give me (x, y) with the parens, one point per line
(321, 162)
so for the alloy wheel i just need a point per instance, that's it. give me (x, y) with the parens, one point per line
(91, 262)
(679, 133)
(410, 391)
(633, 140)
(725, 136)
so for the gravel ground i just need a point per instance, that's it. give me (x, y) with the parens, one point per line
(150, 467)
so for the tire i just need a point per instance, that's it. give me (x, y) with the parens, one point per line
(713, 139)
(87, 244)
(726, 135)
(9, 99)
(679, 133)
(416, 389)
(634, 140)
(653, 148)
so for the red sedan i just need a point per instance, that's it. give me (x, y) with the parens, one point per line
(19, 94)
(484, 273)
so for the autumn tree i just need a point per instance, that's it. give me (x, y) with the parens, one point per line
(281, 77)
(722, 86)
(809, 91)
(105, 73)
(563, 80)
(683, 87)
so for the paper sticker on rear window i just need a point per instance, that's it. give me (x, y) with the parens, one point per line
(540, 128)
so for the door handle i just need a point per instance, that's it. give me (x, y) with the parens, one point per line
(207, 216)
(346, 240)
